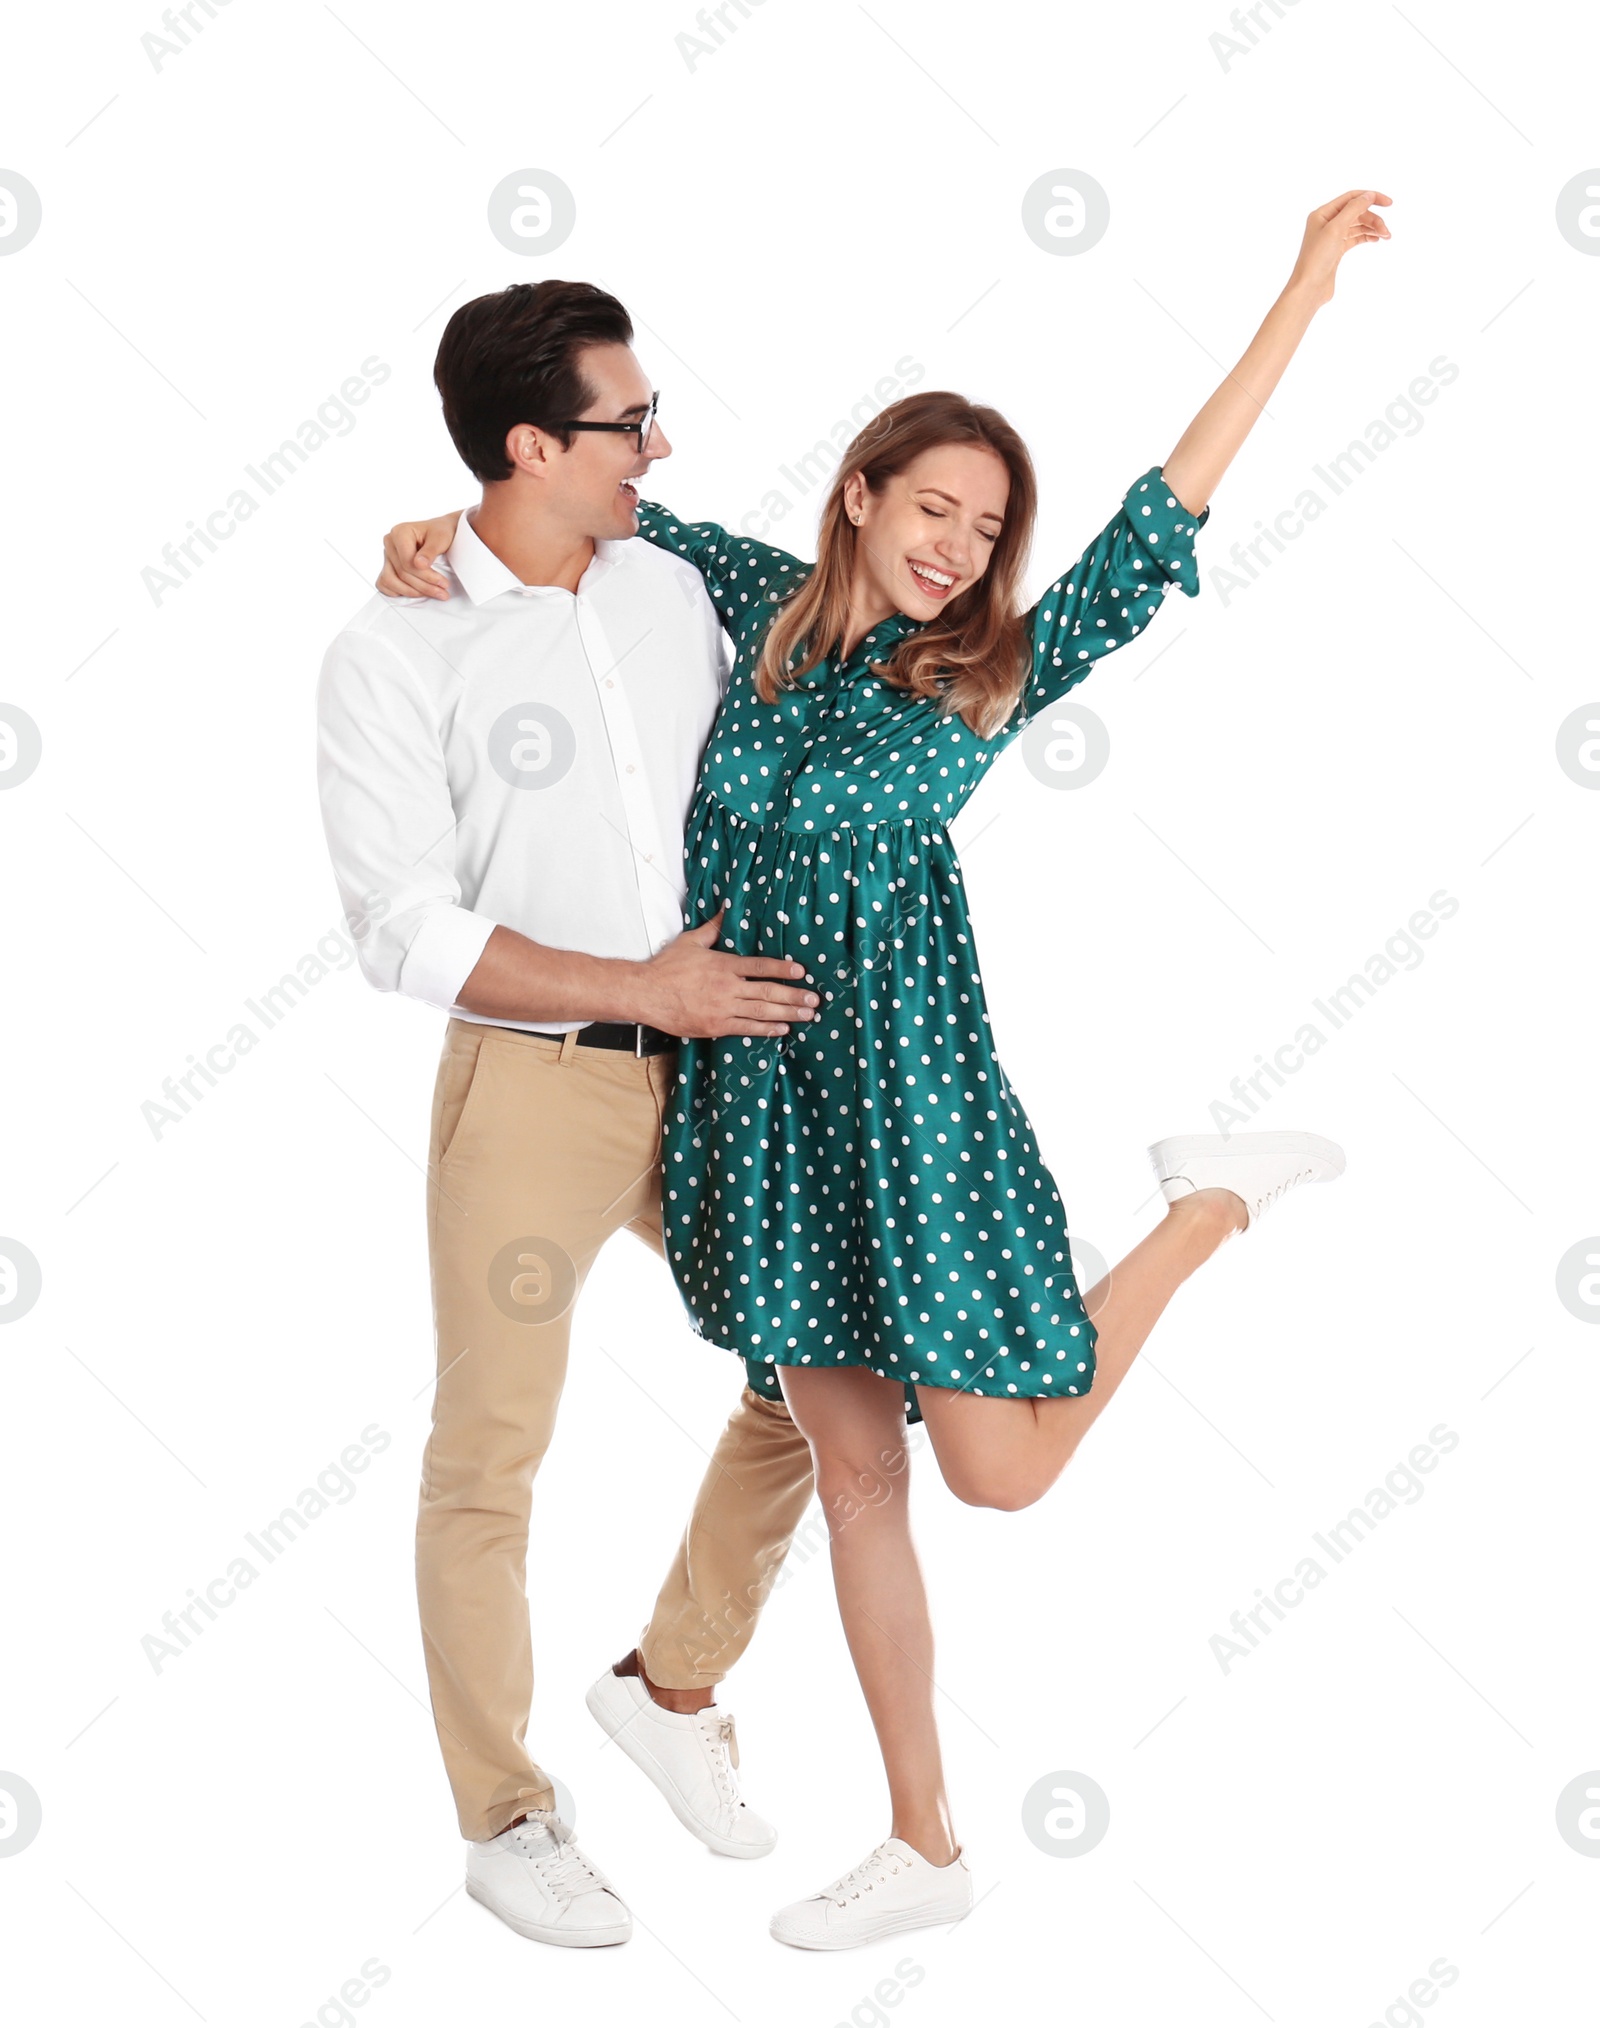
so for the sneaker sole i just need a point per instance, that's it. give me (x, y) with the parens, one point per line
(1184, 1147)
(883, 1926)
(661, 1781)
(541, 1932)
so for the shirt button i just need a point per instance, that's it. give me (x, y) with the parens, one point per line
(630, 768)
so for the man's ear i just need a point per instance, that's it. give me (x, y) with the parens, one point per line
(528, 449)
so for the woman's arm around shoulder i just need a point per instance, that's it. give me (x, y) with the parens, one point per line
(741, 572)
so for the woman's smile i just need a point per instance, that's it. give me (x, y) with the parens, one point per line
(930, 580)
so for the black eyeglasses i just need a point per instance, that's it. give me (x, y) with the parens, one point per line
(640, 429)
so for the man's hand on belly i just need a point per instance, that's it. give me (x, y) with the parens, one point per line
(688, 988)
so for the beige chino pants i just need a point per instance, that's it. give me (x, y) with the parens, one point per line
(541, 1151)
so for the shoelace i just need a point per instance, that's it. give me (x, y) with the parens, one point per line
(544, 1839)
(1278, 1190)
(879, 1864)
(722, 1746)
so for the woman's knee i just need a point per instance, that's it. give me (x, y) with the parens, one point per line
(1006, 1485)
(857, 1477)
(987, 1489)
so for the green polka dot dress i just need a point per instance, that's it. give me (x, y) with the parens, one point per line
(867, 1190)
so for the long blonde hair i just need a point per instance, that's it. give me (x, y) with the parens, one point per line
(972, 656)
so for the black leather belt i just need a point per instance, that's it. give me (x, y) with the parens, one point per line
(637, 1037)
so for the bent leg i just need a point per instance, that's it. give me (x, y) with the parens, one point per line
(996, 1453)
(756, 1487)
(855, 1424)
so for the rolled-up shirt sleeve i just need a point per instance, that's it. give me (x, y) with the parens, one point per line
(390, 824)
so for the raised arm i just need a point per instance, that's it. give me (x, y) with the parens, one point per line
(1116, 587)
(1207, 447)
(1112, 592)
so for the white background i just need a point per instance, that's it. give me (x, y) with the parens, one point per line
(1296, 767)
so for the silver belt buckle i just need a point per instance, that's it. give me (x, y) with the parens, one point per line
(638, 1038)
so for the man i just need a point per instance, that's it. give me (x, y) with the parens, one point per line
(509, 767)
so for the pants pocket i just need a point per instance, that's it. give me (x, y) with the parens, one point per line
(465, 1073)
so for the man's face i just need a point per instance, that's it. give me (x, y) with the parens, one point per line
(593, 484)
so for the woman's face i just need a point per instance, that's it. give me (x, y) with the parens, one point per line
(930, 533)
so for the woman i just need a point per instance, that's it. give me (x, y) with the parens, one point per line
(858, 1207)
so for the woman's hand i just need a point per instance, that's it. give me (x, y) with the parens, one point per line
(1206, 448)
(408, 549)
(1331, 231)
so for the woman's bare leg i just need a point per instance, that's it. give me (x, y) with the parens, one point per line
(992, 1453)
(998, 1453)
(855, 1425)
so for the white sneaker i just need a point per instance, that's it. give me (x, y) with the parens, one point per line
(894, 1888)
(691, 1757)
(1260, 1168)
(537, 1881)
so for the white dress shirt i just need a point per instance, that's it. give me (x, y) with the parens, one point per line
(517, 754)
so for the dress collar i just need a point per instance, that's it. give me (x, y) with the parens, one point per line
(876, 642)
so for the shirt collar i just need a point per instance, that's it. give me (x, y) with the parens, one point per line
(483, 576)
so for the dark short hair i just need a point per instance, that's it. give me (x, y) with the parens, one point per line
(512, 358)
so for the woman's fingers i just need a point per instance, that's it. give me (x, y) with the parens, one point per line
(1350, 221)
(408, 553)
(430, 581)
(1326, 212)
(391, 579)
(1372, 225)
(1352, 217)
(1358, 215)
(1334, 206)
(1347, 214)
(408, 582)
